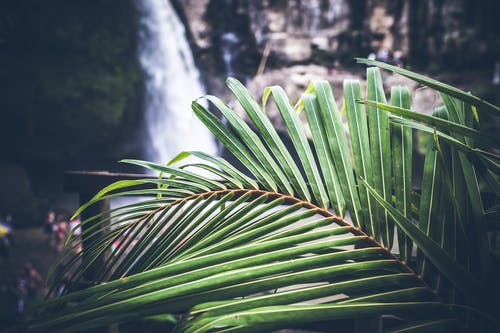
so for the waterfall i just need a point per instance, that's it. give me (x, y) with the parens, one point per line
(229, 46)
(314, 10)
(172, 83)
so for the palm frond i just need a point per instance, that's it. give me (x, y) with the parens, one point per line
(402, 158)
(439, 86)
(380, 148)
(337, 144)
(271, 242)
(261, 249)
(360, 145)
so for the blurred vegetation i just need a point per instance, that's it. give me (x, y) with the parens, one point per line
(70, 80)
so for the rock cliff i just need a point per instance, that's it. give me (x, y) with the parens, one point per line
(448, 33)
(262, 42)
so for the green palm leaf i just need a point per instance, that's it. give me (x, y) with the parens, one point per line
(324, 154)
(270, 136)
(337, 144)
(358, 130)
(243, 260)
(439, 86)
(463, 280)
(441, 124)
(261, 249)
(299, 139)
(381, 148)
(402, 150)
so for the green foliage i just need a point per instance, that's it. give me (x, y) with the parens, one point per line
(266, 248)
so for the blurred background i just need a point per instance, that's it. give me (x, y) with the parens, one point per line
(85, 83)
(79, 79)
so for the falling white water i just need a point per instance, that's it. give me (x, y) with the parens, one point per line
(337, 10)
(314, 9)
(229, 47)
(172, 83)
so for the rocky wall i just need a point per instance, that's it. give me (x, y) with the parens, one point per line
(425, 32)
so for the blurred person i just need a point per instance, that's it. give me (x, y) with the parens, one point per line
(63, 285)
(383, 55)
(34, 281)
(49, 224)
(4, 248)
(398, 58)
(22, 294)
(29, 286)
(6, 238)
(75, 228)
(60, 232)
(9, 221)
(496, 74)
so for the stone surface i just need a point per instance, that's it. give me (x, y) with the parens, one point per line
(448, 33)
(315, 38)
(194, 11)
